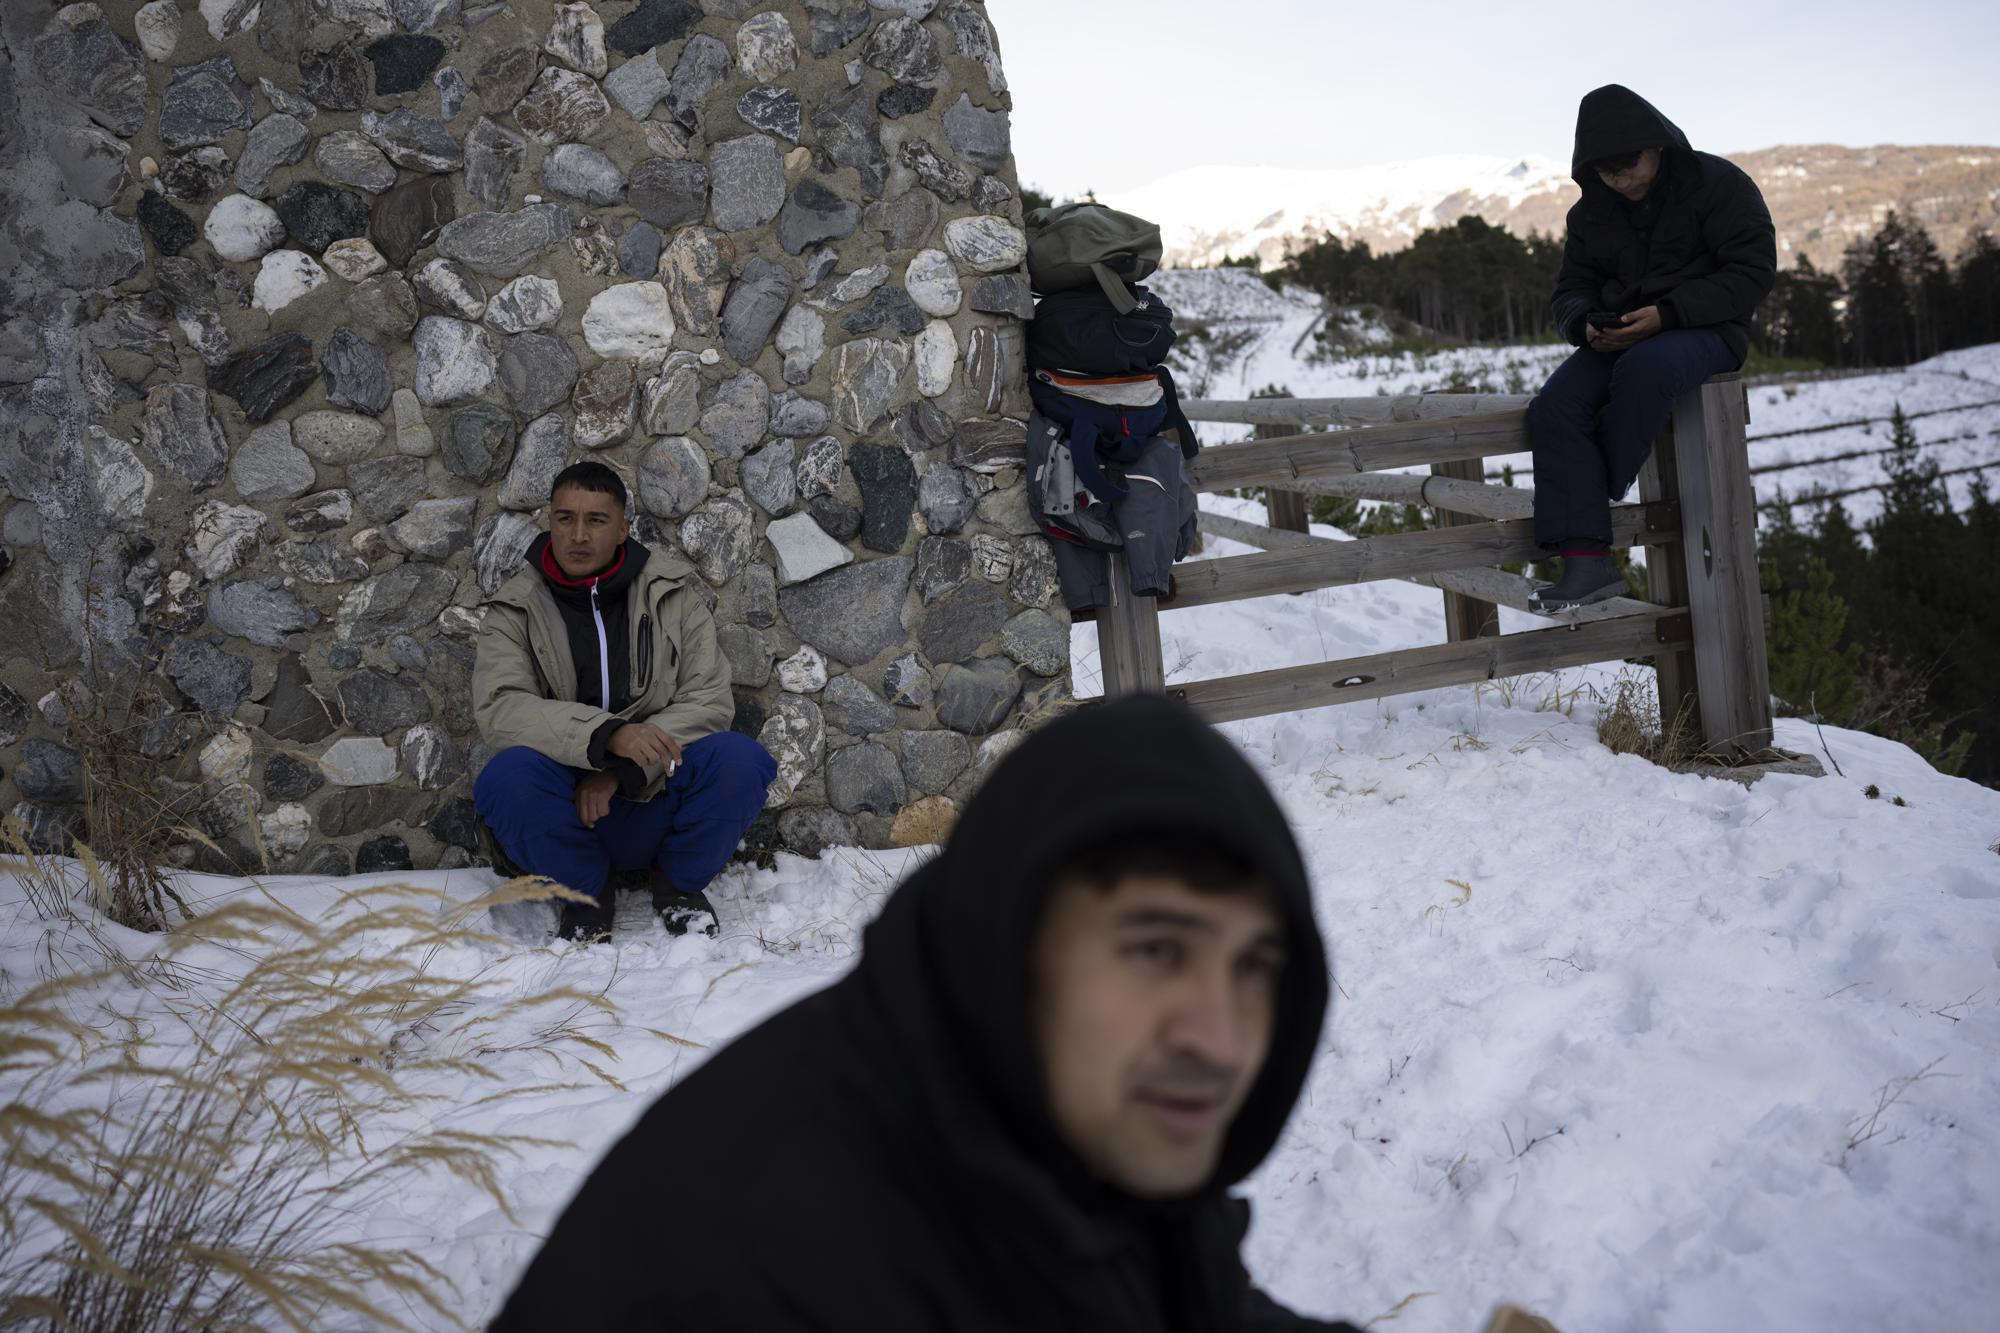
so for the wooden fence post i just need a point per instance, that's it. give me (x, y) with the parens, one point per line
(1725, 602)
(1128, 638)
(1666, 585)
(1283, 510)
(1465, 617)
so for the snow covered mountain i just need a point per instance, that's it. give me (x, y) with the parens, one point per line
(1822, 197)
(1208, 214)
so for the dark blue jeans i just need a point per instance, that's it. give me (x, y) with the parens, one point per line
(1595, 421)
(688, 831)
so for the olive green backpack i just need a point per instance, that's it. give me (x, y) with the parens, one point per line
(1072, 245)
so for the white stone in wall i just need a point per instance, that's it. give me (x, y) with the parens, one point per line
(241, 228)
(804, 672)
(915, 9)
(371, 16)
(285, 832)
(576, 38)
(226, 18)
(286, 275)
(358, 761)
(631, 319)
(227, 758)
(766, 48)
(932, 282)
(985, 244)
(937, 358)
(802, 342)
(454, 361)
(122, 482)
(353, 259)
(224, 538)
(526, 303)
(804, 549)
(158, 26)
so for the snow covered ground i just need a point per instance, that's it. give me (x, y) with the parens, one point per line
(1829, 435)
(1606, 1040)
(1641, 1051)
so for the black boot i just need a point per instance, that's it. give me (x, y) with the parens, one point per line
(1585, 579)
(589, 921)
(678, 911)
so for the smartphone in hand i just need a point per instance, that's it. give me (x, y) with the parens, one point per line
(1605, 321)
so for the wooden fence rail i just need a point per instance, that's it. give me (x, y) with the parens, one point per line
(1702, 624)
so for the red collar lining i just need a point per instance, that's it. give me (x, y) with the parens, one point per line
(556, 576)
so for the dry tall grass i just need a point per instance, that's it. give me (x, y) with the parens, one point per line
(195, 1142)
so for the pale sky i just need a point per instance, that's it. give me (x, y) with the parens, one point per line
(1113, 94)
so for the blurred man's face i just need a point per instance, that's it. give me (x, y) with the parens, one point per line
(1633, 176)
(585, 528)
(1153, 1009)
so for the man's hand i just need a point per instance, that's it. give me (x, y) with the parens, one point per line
(644, 743)
(593, 797)
(1640, 325)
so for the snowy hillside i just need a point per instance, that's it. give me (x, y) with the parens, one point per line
(1608, 1041)
(1829, 435)
(1208, 214)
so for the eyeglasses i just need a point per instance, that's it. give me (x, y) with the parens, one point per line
(1619, 165)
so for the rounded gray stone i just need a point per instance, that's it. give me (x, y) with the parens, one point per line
(752, 308)
(718, 537)
(769, 478)
(500, 245)
(903, 49)
(673, 477)
(540, 453)
(356, 373)
(454, 361)
(854, 708)
(537, 372)
(399, 601)
(1038, 641)
(975, 697)
(384, 488)
(582, 172)
(478, 442)
(262, 615)
(931, 759)
(374, 704)
(277, 141)
(748, 655)
(737, 414)
(980, 137)
(436, 529)
(499, 547)
(945, 498)
(810, 829)
(865, 777)
(346, 156)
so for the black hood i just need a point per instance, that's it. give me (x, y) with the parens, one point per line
(950, 956)
(1613, 120)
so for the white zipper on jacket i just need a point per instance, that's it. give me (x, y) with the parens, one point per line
(603, 654)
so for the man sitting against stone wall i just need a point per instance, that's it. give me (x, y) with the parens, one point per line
(601, 687)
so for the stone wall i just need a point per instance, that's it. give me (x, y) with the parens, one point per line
(308, 300)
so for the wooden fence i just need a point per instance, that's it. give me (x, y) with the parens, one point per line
(1702, 622)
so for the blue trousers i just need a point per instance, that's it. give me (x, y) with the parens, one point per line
(1595, 421)
(688, 831)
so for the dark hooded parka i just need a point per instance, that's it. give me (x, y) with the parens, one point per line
(1700, 245)
(880, 1156)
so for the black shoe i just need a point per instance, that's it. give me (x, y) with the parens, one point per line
(679, 911)
(588, 921)
(1585, 579)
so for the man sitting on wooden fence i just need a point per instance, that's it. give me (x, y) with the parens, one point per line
(1668, 253)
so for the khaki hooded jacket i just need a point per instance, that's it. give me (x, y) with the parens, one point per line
(524, 681)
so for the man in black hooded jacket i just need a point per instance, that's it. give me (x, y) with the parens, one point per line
(1068, 1036)
(1668, 253)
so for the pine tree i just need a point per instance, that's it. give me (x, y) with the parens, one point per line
(1813, 668)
